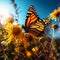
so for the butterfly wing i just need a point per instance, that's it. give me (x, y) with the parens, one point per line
(32, 17)
(37, 28)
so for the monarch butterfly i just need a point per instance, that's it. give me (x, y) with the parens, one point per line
(32, 24)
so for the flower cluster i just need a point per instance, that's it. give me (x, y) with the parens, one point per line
(18, 45)
(55, 14)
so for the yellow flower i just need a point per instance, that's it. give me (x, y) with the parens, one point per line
(59, 10)
(55, 14)
(14, 32)
(17, 49)
(55, 26)
(35, 49)
(9, 20)
(26, 43)
(28, 54)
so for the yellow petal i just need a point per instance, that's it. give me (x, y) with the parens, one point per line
(8, 41)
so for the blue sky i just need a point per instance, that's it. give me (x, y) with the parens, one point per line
(42, 7)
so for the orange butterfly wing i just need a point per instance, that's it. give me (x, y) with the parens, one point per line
(37, 28)
(38, 25)
(32, 17)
